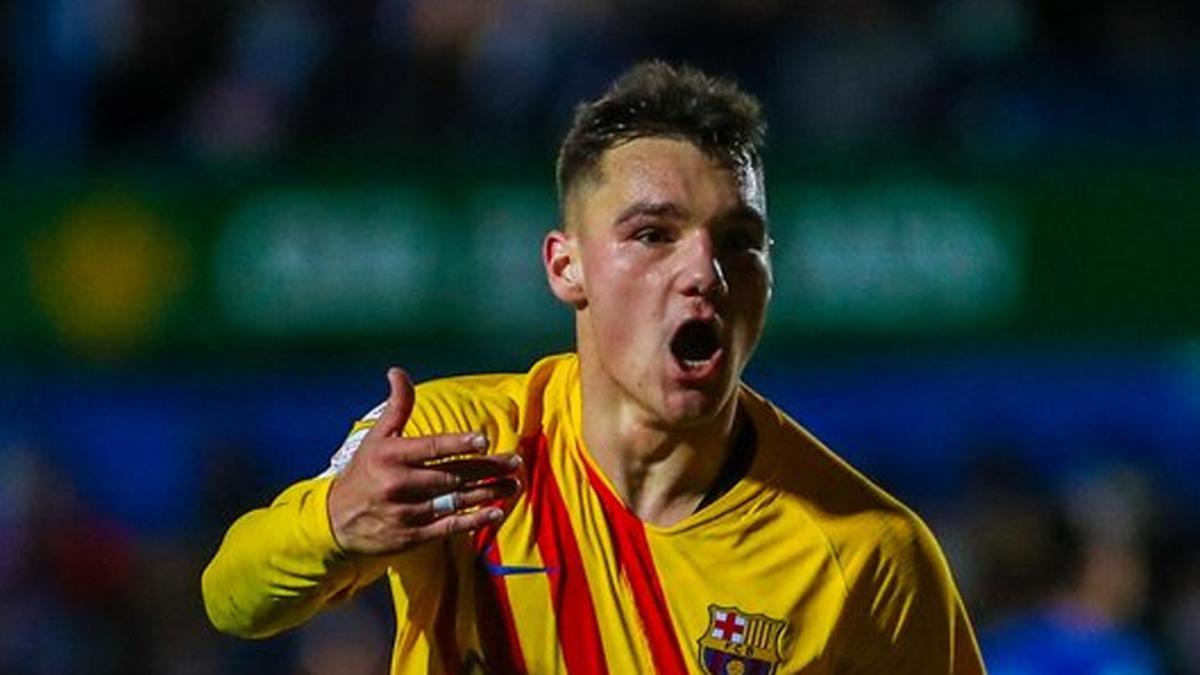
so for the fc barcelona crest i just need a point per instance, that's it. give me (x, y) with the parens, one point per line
(737, 643)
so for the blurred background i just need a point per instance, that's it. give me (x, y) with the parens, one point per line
(221, 221)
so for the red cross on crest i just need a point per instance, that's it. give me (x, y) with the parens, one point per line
(728, 626)
(738, 642)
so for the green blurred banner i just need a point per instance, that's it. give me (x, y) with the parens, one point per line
(120, 263)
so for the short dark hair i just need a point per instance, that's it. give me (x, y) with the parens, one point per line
(656, 99)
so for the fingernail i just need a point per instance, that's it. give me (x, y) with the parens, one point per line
(479, 442)
(514, 461)
(495, 515)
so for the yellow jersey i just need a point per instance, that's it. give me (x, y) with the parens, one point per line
(802, 566)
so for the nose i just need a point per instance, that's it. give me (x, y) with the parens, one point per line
(701, 273)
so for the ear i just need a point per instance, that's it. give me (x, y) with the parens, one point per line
(561, 259)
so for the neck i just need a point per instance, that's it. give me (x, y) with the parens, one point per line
(661, 472)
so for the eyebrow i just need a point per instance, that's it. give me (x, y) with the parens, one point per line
(668, 209)
(743, 212)
(653, 209)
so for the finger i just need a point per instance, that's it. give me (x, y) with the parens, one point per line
(496, 493)
(472, 469)
(459, 522)
(412, 484)
(421, 485)
(472, 498)
(421, 450)
(399, 405)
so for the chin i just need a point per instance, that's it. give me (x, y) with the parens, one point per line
(693, 407)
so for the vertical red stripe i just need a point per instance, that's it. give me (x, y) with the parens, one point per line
(445, 625)
(495, 621)
(578, 629)
(634, 559)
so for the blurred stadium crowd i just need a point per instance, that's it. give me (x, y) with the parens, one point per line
(233, 77)
(1085, 564)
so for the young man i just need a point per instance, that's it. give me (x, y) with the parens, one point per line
(632, 508)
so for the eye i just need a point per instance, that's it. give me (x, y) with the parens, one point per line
(742, 240)
(653, 235)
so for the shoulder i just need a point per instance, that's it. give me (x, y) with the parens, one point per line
(901, 612)
(463, 403)
(499, 404)
(476, 402)
(864, 525)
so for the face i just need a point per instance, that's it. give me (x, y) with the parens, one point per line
(666, 260)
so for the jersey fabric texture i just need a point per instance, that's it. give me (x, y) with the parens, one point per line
(802, 566)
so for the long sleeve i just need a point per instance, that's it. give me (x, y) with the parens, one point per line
(279, 565)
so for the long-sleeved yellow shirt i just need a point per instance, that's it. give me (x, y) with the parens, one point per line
(801, 566)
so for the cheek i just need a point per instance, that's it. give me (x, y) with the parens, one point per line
(626, 303)
(751, 283)
(607, 287)
(623, 280)
(750, 296)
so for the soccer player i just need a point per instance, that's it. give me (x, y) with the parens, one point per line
(632, 507)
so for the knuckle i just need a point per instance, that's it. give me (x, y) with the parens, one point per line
(396, 487)
(375, 451)
(467, 500)
(388, 517)
(404, 541)
(431, 447)
(410, 515)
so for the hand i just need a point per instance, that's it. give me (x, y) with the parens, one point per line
(383, 502)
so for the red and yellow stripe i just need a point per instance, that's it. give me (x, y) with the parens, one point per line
(576, 599)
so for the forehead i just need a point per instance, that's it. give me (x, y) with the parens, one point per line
(657, 169)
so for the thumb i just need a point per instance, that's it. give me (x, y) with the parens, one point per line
(399, 404)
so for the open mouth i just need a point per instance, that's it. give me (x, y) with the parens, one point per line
(696, 343)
